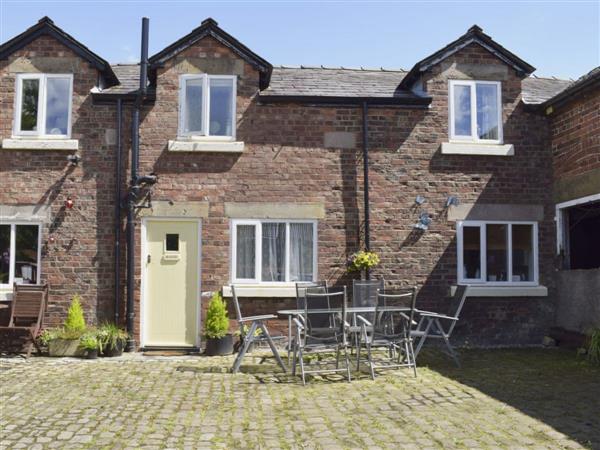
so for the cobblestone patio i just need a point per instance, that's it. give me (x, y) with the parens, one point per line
(499, 399)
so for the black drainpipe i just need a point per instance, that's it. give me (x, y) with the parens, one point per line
(135, 186)
(118, 213)
(365, 111)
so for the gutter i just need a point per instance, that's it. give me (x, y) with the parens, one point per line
(136, 183)
(118, 212)
(410, 102)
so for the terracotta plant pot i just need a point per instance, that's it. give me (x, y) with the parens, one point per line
(65, 347)
(219, 346)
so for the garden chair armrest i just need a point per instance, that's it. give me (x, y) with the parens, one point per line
(436, 315)
(299, 325)
(363, 320)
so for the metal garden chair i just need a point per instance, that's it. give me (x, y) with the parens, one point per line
(301, 288)
(431, 326)
(322, 327)
(390, 329)
(248, 333)
(364, 294)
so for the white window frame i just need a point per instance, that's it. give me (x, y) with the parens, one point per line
(13, 247)
(258, 250)
(482, 280)
(474, 137)
(562, 235)
(204, 132)
(42, 97)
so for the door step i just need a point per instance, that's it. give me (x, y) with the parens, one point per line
(169, 351)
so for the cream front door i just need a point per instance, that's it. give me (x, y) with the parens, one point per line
(171, 288)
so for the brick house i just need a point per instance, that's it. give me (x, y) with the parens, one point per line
(260, 181)
(575, 129)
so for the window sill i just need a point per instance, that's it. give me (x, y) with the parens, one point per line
(39, 144)
(6, 294)
(206, 146)
(472, 148)
(287, 290)
(505, 291)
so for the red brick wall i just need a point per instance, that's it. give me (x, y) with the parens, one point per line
(574, 132)
(285, 160)
(80, 260)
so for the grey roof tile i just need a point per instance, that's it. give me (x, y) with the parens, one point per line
(538, 90)
(342, 82)
(335, 82)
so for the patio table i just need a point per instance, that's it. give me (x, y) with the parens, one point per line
(354, 310)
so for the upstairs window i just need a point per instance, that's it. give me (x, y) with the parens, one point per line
(273, 251)
(43, 105)
(475, 111)
(497, 253)
(207, 105)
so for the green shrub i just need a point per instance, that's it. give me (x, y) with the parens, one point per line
(89, 341)
(111, 336)
(593, 351)
(75, 322)
(217, 323)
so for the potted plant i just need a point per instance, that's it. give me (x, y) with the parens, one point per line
(112, 339)
(65, 342)
(218, 340)
(362, 261)
(90, 345)
(240, 343)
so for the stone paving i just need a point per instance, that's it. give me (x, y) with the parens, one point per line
(498, 399)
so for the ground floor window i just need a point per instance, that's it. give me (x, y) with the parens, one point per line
(498, 253)
(19, 253)
(273, 251)
(578, 228)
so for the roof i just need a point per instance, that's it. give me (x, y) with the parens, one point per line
(590, 80)
(331, 83)
(46, 26)
(537, 90)
(209, 27)
(473, 35)
(325, 84)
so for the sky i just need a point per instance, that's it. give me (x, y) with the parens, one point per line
(559, 38)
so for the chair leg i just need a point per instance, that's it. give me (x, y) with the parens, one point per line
(370, 360)
(301, 359)
(412, 357)
(337, 357)
(347, 363)
(424, 337)
(295, 358)
(453, 354)
(248, 339)
(272, 345)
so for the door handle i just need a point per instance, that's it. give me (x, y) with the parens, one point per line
(148, 259)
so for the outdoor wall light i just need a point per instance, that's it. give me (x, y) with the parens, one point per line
(69, 203)
(452, 200)
(424, 221)
(419, 200)
(74, 159)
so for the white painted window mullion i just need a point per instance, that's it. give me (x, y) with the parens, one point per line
(474, 131)
(205, 105)
(483, 254)
(287, 251)
(13, 247)
(509, 275)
